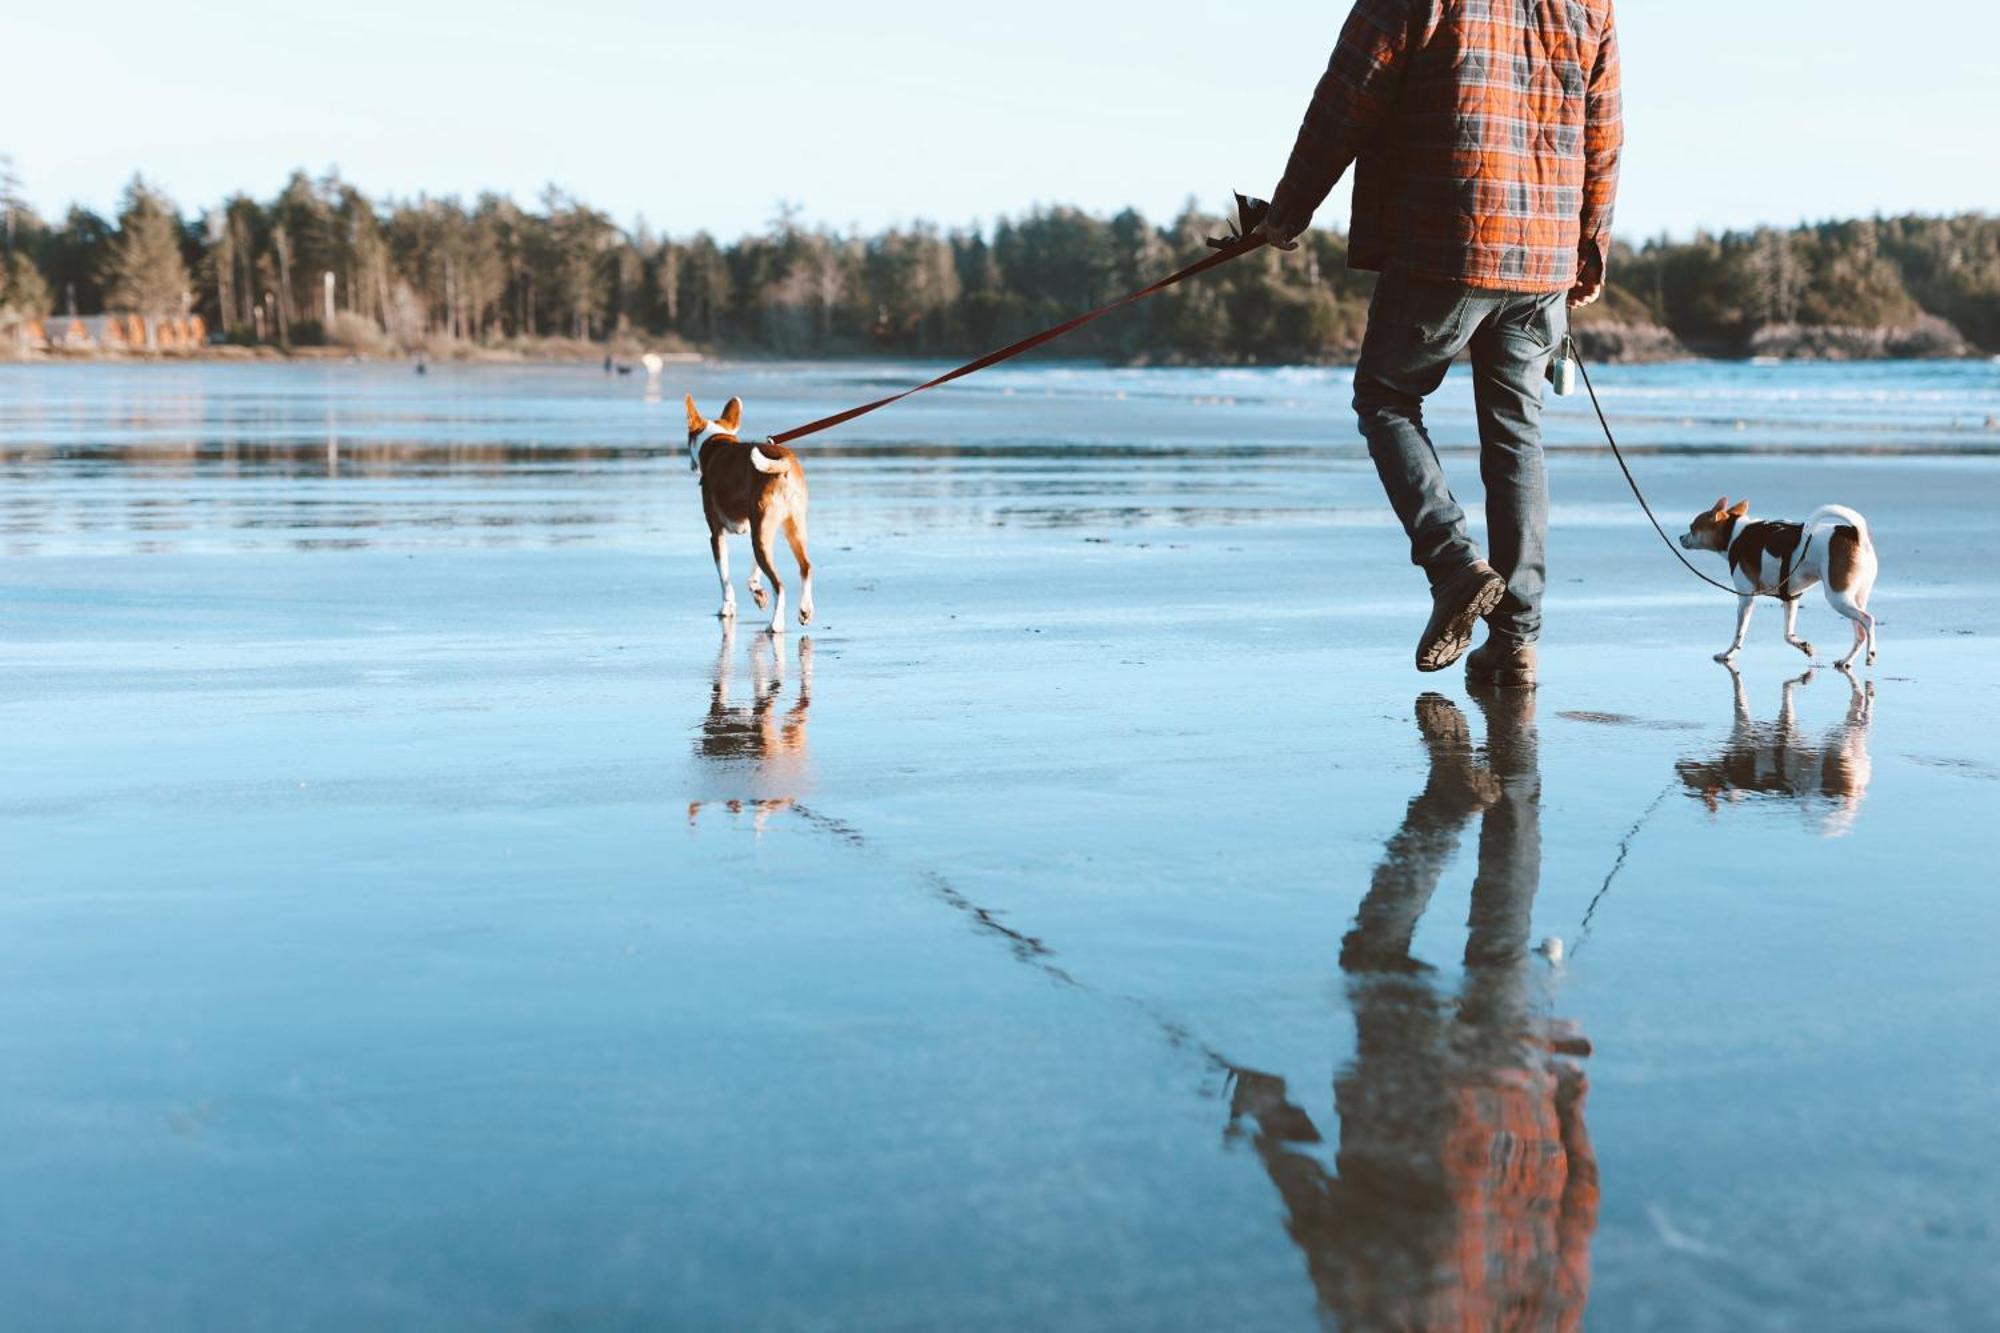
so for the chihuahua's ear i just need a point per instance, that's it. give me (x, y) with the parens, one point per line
(695, 423)
(732, 415)
(1721, 506)
(1742, 508)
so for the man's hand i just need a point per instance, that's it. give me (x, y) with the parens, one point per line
(1280, 232)
(1589, 279)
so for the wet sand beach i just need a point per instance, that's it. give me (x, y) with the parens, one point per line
(419, 912)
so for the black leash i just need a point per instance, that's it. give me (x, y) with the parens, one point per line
(1569, 349)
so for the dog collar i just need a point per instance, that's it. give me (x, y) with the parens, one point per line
(711, 431)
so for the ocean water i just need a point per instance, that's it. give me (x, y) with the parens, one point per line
(419, 911)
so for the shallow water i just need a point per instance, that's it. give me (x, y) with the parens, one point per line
(420, 914)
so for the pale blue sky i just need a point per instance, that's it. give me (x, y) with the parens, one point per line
(707, 114)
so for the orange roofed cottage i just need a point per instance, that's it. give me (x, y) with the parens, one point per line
(115, 333)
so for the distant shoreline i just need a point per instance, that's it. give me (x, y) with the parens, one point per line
(233, 354)
(627, 362)
(321, 265)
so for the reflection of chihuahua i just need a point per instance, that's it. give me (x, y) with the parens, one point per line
(1777, 759)
(1785, 560)
(755, 488)
(755, 739)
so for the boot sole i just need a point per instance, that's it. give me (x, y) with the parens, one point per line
(1455, 639)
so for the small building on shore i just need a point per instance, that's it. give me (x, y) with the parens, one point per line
(117, 333)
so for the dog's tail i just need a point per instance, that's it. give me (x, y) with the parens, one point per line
(771, 464)
(1842, 514)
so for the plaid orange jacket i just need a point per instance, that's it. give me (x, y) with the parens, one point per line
(1485, 136)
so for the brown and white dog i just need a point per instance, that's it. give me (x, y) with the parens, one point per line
(759, 489)
(1785, 560)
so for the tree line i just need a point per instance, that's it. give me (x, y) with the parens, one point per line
(322, 263)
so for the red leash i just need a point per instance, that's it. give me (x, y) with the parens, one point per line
(1240, 242)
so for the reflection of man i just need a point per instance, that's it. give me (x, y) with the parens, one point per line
(1485, 139)
(1465, 1191)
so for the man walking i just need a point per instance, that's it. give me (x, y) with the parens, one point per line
(1485, 136)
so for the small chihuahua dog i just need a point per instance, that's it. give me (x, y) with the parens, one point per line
(755, 488)
(1785, 560)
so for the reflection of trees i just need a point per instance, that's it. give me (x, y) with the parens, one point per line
(172, 467)
(193, 443)
(1463, 1193)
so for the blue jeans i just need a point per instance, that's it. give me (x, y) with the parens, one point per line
(1416, 328)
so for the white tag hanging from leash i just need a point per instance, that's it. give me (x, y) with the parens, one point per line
(1562, 369)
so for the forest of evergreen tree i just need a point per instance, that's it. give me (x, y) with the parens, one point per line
(430, 273)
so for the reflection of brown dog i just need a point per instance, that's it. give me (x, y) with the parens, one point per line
(759, 489)
(1464, 1191)
(756, 740)
(1777, 759)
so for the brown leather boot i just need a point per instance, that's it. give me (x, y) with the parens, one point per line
(1497, 664)
(1456, 607)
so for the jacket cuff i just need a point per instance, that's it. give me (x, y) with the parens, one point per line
(1597, 247)
(1288, 207)
(1291, 203)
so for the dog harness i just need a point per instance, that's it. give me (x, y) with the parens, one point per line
(1788, 542)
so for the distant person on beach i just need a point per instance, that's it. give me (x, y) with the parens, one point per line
(1485, 136)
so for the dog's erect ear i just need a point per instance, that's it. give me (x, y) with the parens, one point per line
(695, 423)
(732, 415)
(1742, 508)
(1721, 506)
